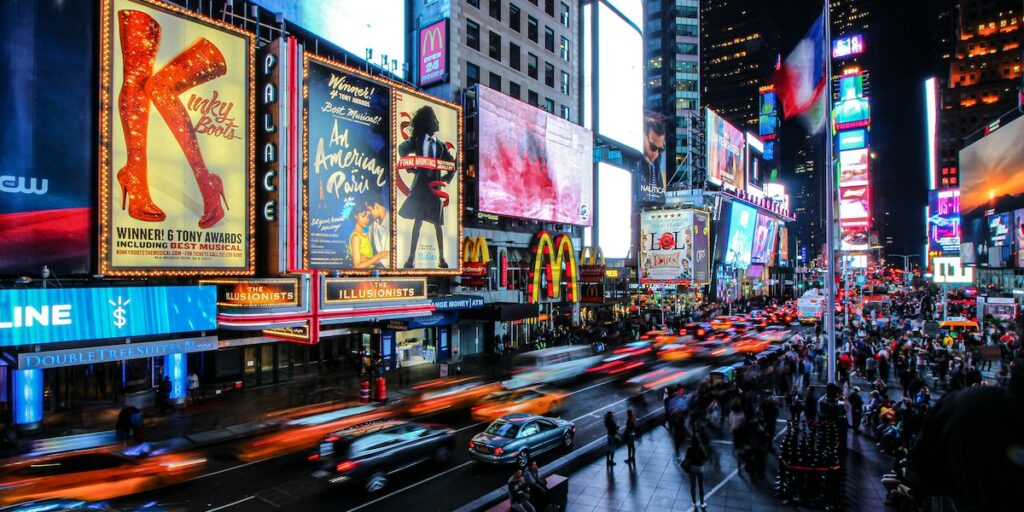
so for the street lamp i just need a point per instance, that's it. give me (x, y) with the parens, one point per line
(906, 261)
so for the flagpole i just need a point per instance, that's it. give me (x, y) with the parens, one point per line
(830, 279)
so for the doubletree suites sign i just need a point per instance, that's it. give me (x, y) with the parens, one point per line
(346, 290)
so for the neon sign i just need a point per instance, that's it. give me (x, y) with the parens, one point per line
(558, 251)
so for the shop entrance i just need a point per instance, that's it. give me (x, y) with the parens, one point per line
(416, 347)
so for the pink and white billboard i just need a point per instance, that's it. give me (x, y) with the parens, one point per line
(533, 165)
(433, 53)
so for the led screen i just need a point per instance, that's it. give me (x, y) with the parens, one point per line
(742, 224)
(768, 120)
(614, 210)
(756, 165)
(851, 87)
(847, 46)
(530, 165)
(852, 113)
(944, 221)
(991, 178)
(854, 239)
(999, 230)
(852, 139)
(856, 261)
(853, 167)
(763, 231)
(853, 205)
(354, 26)
(620, 72)
(724, 152)
(1018, 237)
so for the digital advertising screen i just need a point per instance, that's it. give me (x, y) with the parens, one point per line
(701, 247)
(1018, 238)
(530, 165)
(348, 126)
(854, 239)
(427, 179)
(433, 53)
(666, 247)
(354, 26)
(991, 179)
(853, 167)
(852, 139)
(851, 86)
(999, 230)
(47, 182)
(847, 46)
(178, 182)
(853, 206)
(620, 103)
(851, 113)
(944, 221)
(763, 231)
(756, 165)
(742, 225)
(768, 119)
(725, 146)
(614, 210)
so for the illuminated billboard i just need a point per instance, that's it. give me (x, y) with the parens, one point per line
(847, 46)
(768, 119)
(853, 206)
(853, 167)
(948, 269)
(619, 54)
(614, 210)
(991, 180)
(854, 239)
(944, 221)
(725, 145)
(756, 165)
(666, 247)
(999, 234)
(433, 53)
(851, 113)
(742, 225)
(851, 86)
(1018, 238)
(764, 234)
(852, 139)
(530, 165)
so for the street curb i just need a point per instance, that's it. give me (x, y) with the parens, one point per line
(569, 463)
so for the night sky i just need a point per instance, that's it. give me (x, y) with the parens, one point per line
(898, 57)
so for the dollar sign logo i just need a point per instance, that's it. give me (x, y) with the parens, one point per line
(120, 312)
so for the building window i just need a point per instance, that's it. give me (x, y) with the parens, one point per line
(474, 3)
(549, 105)
(513, 90)
(564, 16)
(494, 46)
(532, 98)
(473, 35)
(494, 81)
(513, 17)
(513, 56)
(495, 9)
(549, 39)
(531, 28)
(565, 110)
(531, 66)
(565, 83)
(549, 76)
(549, 7)
(472, 74)
(563, 49)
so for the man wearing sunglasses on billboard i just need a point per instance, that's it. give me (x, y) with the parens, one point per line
(650, 178)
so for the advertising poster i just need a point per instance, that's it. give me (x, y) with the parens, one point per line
(783, 245)
(741, 235)
(724, 153)
(701, 247)
(944, 221)
(768, 118)
(47, 191)
(650, 172)
(853, 206)
(852, 139)
(529, 163)
(853, 167)
(433, 56)
(177, 178)
(999, 234)
(854, 239)
(427, 181)
(348, 178)
(762, 233)
(666, 251)
(1018, 237)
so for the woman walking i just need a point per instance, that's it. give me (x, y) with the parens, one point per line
(613, 437)
(629, 435)
(693, 464)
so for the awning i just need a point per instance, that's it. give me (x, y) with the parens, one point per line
(502, 312)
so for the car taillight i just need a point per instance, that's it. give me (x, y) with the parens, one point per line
(346, 466)
(332, 439)
(499, 450)
(472, 445)
(313, 457)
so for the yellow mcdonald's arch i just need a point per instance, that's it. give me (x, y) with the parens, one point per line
(591, 255)
(433, 40)
(475, 250)
(557, 251)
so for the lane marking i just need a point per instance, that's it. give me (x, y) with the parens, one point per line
(477, 424)
(232, 468)
(600, 408)
(233, 503)
(410, 486)
(591, 387)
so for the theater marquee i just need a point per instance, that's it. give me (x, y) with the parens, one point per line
(348, 290)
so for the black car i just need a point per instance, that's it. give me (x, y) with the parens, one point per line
(517, 437)
(368, 455)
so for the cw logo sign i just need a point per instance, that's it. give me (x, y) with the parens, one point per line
(475, 257)
(558, 252)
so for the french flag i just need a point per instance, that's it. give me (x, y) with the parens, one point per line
(801, 82)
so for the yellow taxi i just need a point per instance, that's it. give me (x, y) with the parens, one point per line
(447, 394)
(536, 400)
(302, 428)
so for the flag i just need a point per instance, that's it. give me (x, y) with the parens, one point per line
(801, 79)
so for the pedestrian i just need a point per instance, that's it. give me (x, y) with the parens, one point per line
(164, 393)
(138, 424)
(795, 402)
(810, 405)
(693, 465)
(770, 413)
(538, 486)
(193, 387)
(629, 435)
(123, 425)
(612, 429)
(665, 397)
(519, 493)
(856, 403)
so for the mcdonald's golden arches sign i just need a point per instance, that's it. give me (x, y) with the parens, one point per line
(475, 257)
(561, 264)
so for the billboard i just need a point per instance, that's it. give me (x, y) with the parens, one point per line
(347, 178)
(620, 101)
(46, 182)
(650, 172)
(764, 234)
(426, 138)
(667, 247)
(530, 165)
(176, 166)
(1018, 238)
(944, 221)
(757, 167)
(852, 139)
(768, 118)
(433, 53)
(725, 145)
(701, 247)
(999, 233)
(614, 210)
(851, 86)
(847, 46)
(853, 206)
(853, 167)
(948, 269)
(855, 239)
(851, 113)
(742, 224)
(991, 180)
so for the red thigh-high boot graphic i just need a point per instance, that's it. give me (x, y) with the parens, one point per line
(140, 39)
(198, 64)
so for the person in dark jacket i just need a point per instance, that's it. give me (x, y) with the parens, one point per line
(856, 403)
(810, 405)
(519, 493)
(612, 429)
(538, 486)
(693, 464)
(629, 437)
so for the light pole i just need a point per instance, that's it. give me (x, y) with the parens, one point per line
(906, 261)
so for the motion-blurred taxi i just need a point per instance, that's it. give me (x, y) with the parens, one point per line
(750, 344)
(95, 474)
(698, 330)
(629, 357)
(721, 323)
(676, 351)
(302, 428)
(533, 400)
(447, 394)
